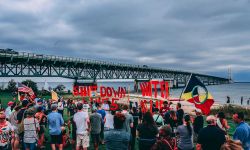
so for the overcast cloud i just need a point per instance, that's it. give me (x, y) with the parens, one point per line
(204, 36)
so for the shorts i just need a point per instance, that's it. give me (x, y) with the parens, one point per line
(95, 138)
(56, 139)
(82, 140)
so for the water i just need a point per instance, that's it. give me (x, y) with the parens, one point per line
(219, 92)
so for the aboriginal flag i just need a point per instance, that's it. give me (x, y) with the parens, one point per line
(196, 92)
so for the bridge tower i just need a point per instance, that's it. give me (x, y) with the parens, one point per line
(230, 78)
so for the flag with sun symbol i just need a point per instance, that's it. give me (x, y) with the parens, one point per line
(197, 93)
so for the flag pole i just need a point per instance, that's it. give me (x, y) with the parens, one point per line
(185, 87)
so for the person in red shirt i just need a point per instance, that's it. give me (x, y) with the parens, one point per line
(165, 108)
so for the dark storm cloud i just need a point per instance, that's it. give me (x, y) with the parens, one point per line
(207, 36)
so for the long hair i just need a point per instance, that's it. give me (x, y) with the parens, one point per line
(187, 120)
(148, 119)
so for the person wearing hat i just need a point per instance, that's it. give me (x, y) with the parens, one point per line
(56, 122)
(8, 110)
(31, 126)
(5, 130)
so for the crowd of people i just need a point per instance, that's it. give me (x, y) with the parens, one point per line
(23, 126)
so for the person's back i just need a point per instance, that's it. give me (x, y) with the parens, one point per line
(80, 120)
(211, 138)
(109, 124)
(30, 125)
(55, 121)
(158, 119)
(117, 139)
(95, 122)
(186, 140)
(127, 124)
(198, 124)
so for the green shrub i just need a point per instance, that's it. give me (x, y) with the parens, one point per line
(229, 110)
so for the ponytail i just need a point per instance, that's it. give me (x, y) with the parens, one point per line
(187, 120)
(189, 128)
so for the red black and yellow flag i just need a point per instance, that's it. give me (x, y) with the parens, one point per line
(197, 93)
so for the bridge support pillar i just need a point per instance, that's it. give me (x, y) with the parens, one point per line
(175, 83)
(136, 87)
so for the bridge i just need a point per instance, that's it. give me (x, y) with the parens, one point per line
(22, 64)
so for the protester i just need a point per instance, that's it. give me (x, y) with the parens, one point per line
(103, 114)
(222, 122)
(129, 122)
(81, 120)
(42, 119)
(165, 140)
(20, 117)
(242, 131)
(197, 124)
(56, 122)
(60, 107)
(8, 110)
(135, 115)
(31, 126)
(95, 124)
(109, 123)
(165, 108)
(13, 121)
(210, 137)
(179, 114)
(71, 108)
(228, 100)
(185, 132)
(117, 139)
(6, 131)
(173, 120)
(158, 118)
(147, 131)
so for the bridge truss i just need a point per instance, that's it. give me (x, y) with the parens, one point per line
(36, 65)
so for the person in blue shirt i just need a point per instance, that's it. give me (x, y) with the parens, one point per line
(56, 122)
(242, 131)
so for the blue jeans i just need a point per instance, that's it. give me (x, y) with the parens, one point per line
(30, 146)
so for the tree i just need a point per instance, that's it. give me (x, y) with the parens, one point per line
(31, 84)
(60, 88)
(11, 86)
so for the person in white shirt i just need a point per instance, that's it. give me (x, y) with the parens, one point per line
(109, 124)
(60, 107)
(8, 110)
(81, 120)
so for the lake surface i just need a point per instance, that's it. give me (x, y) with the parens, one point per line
(235, 91)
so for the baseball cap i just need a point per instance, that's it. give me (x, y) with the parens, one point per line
(10, 103)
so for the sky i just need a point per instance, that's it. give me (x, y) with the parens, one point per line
(202, 36)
